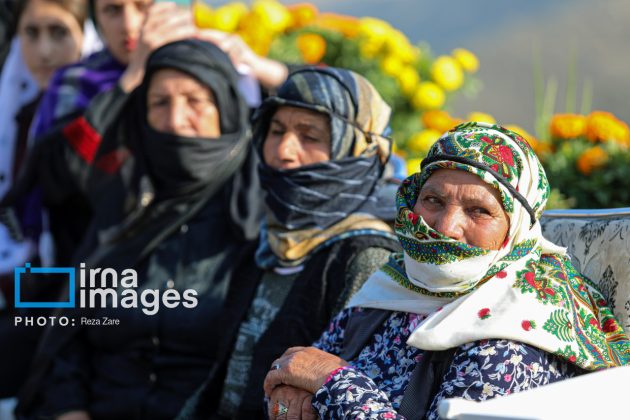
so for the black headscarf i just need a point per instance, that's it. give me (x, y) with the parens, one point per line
(184, 172)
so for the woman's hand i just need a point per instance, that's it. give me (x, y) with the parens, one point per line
(305, 368)
(165, 22)
(296, 403)
(269, 73)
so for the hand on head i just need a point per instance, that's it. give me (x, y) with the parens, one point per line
(164, 23)
(305, 368)
(269, 73)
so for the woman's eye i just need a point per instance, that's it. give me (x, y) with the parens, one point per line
(58, 32)
(31, 33)
(480, 211)
(112, 10)
(158, 103)
(276, 132)
(431, 199)
(311, 139)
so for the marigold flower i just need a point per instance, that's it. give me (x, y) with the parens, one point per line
(567, 126)
(428, 96)
(481, 117)
(466, 59)
(274, 15)
(312, 47)
(591, 159)
(302, 13)
(202, 14)
(408, 79)
(347, 25)
(438, 120)
(413, 165)
(421, 142)
(604, 126)
(447, 73)
(391, 65)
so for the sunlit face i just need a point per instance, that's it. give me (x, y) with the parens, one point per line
(460, 205)
(179, 104)
(119, 23)
(297, 137)
(50, 37)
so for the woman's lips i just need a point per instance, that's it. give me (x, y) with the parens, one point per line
(130, 44)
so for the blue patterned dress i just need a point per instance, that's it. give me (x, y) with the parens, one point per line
(373, 385)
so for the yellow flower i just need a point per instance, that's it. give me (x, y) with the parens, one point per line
(408, 80)
(466, 59)
(604, 126)
(413, 165)
(255, 34)
(591, 159)
(226, 18)
(391, 65)
(312, 47)
(398, 45)
(428, 96)
(447, 73)
(438, 120)
(202, 14)
(421, 142)
(567, 126)
(302, 13)
(347, 25)
(274, 15)
(481, 117)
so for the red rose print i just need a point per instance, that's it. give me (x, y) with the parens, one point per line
(594, 322)
(501, 274)
(581, 288)
(528, 325)
(572, 359)
(530, 277)
(609, 326)
(550, 292)
(506, 155)
(601, 302)
(484, 313)
(413, 217)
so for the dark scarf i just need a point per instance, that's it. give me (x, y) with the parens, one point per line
(184, 172)
(314, 204)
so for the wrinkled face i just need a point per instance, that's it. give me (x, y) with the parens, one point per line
(460, 205)
(297, 137)
(50, 37)
(179, 104)
(119, 23)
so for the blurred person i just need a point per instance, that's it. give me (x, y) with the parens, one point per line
(185, 162)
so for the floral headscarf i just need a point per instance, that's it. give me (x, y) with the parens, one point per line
(526, 291)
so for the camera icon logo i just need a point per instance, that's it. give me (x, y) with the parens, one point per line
(46, 273)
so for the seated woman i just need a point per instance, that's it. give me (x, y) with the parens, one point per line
(323, 157)
(182, 147)
(478, 305)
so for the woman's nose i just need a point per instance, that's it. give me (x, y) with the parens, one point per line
(288, 146)
(176, 117)
(451, 223)
(45, 48)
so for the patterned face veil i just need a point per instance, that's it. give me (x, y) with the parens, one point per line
(506, 162)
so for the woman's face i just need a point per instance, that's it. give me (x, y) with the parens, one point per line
(50, 37)
(297, 137)
(119, 24)
(460, 205)
(179, 104)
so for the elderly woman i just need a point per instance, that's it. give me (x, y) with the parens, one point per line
(478, 305)
(323, 154)
(178, 164)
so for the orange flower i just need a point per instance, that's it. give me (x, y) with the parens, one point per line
(538, 147)
(438, 120)
(312, 47)
(567, 126)
(347, 25)
(604, 126)
(303, 14)
(591, 159)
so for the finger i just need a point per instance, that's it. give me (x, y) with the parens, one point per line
(307, 411)
(272, 380)
(294, 405)
(292, 350)
(212, 35)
